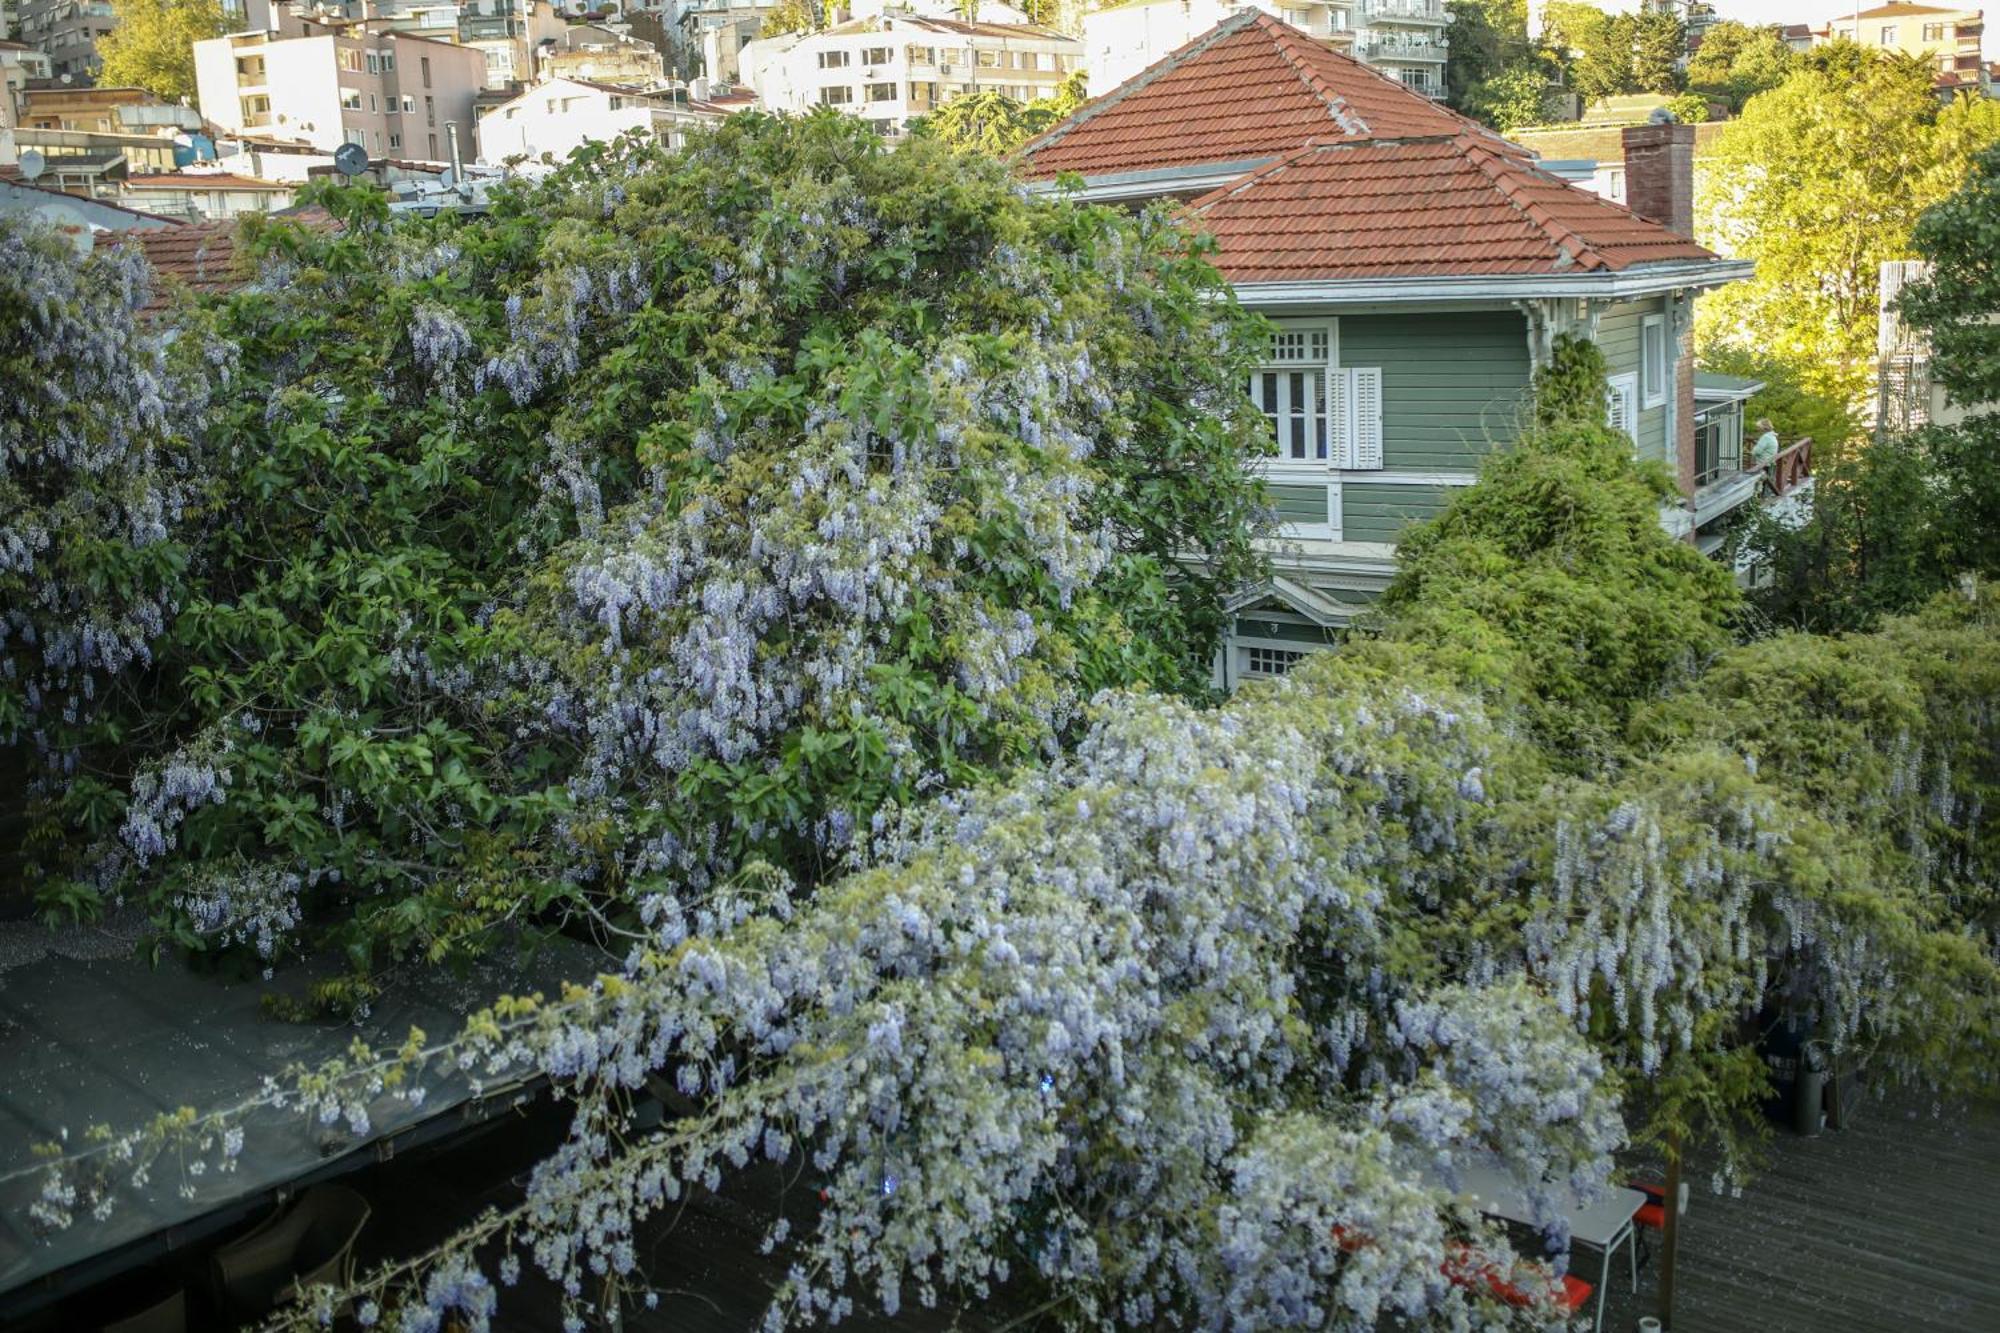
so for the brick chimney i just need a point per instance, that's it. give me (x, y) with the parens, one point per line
(1659, 174)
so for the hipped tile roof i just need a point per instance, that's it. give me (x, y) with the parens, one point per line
(1347, 173)
(1250, 89)
(1421, 207)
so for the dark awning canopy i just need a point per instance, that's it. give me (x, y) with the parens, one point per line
(90, 1039)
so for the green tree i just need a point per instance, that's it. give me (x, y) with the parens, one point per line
(788, 16)
(994, 123)
(153, 45)
(1689, 108)
(1593, 48)
(1898, 520)
(1508, 100)
(1819, 181)
(1488, 38)
(1658, 43)
(1736, 61)
(1551, 583)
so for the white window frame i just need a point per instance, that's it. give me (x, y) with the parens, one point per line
(1654, 380)
(1320, 457)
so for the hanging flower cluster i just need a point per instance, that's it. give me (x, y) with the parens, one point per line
(100, 467)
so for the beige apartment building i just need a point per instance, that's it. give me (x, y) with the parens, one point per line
(1948, 38)
(393, 93)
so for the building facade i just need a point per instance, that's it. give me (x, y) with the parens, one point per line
(509, 35)
(393, 93)
(555, 118)
(1946, 38)
(1417, 269)
(600, 55)
(894, 67)
(67, 32)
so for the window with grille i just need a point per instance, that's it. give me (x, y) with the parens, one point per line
(1270, 661)
(1291, 392)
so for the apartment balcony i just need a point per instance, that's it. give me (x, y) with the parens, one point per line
(1378, 47)
(1414, 12)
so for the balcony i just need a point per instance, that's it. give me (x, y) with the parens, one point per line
(1377, 47)
(1405, 11)
(1785, 479)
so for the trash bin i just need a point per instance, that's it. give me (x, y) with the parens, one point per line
(1782, 1043)
(1809, 1095)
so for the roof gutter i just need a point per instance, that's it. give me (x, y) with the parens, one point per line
(1118, 186)
(1645, 280)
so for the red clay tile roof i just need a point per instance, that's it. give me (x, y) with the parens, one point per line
(1440, 206)
(1248, 90)
(201, 255)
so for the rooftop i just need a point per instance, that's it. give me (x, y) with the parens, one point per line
(1896, 11)
(1318, 169)
(1445, 206)
(1247, 91)
(204, 180)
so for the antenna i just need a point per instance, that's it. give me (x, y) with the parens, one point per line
(350, 159)
(32, 165)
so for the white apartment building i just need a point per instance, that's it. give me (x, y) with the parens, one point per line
(563, 114)
(897, 65)
(393, 93)
(1405, 39)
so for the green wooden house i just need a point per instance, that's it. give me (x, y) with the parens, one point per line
(1417, 268)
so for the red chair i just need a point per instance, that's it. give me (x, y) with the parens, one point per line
(1651, 1220)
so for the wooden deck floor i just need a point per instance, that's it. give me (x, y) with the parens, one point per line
(1889, 1226)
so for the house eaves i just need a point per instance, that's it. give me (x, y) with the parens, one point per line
(1480, 288)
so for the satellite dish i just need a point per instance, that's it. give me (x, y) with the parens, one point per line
(32, 165)
(350, 159)
(447, 178)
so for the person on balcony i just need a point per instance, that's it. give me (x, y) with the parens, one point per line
(1765, 450)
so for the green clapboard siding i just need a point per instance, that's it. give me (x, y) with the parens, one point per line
(1452, 384)
(1380, 513)
(1300, 504)
(1618, 335)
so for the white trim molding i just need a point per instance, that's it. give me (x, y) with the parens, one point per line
(1642, 280)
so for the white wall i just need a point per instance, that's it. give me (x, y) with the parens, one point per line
(559, 117)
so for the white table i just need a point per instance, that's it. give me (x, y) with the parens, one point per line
(1604, 1224)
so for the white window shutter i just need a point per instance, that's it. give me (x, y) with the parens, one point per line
(1620, 400)
(1366, 395)
(1340, 430)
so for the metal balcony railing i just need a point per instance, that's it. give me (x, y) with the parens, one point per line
(1407, 11)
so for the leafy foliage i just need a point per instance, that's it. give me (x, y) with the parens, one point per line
(1607, 55)
(996, 124)
(1551, 584)
(152, 46)
(1163, 1013)
(1736, 61)
(1900, 519)
(689, 510)
(1819, 181)
(1202, 1021)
